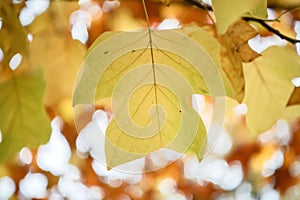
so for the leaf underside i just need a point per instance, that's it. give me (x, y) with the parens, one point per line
(229, 11)
(269, 80)
(150, 89)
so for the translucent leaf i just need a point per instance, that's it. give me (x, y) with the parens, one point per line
(222, 55)
(150, 89)
(292, 112)
(260, 10)
(293, 106)
(229, 11)
(269, 86)
(235, 50)
(13, 37)
(295, 97)
(23, 120)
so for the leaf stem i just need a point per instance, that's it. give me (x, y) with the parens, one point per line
(153, 65)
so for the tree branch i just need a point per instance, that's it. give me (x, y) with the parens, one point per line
(262, 22)
(271, 29)
(200, 4)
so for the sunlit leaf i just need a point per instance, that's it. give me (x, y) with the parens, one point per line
(229, 11)
(166, 2)
(236, 40)
(292, 112)
(235, 50)
(295, 97)
(55, 19)
(60, 57)
(13, 37)
(56, 52)
(23, 120)
(260, 10)
(223, 58)
(269, 86)
(150, 90)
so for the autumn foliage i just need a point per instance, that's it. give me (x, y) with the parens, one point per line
(48, 57)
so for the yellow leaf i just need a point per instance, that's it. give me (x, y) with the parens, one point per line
(235, 50)
(292, 112)
(229, 11)
(60, 57)
(295, 97)
(236, 40)
(55, 19)
(150, 89)
(166, 2)
(269, 86)
(56, 52)
(233, 81)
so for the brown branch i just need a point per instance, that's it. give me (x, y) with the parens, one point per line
(271, 29)
(200, 4)
(262, 22)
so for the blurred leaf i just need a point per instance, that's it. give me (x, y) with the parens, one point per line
(151, 113)
(23, 120)
(292, 112)
(236, 40)
(229, 11)
(55, 19)
(60, 57)
(292, 193)
(223, 57)
(235, 49)
(13, 37)
(286, 4)
(166, 2)
(260, 10)
(269, 86)
(295, 97)
(56, 52)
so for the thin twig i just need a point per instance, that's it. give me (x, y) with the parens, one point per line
(271, 29)
(200, 4)
(262, 22)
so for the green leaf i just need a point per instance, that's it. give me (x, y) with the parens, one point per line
(229, 11)
(150, 89)
(269, 86)
(23, 120)
(13, 36)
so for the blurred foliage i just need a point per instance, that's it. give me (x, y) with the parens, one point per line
(261, 81)
(25, 122)
(15, 36)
